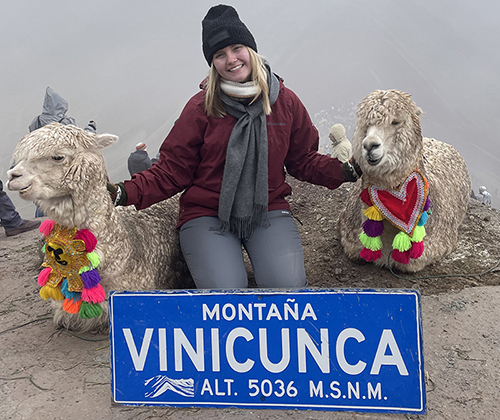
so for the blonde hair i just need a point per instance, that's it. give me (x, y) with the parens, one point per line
(213, 102)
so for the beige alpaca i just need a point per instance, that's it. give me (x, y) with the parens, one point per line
(388, 146)
(60, 167)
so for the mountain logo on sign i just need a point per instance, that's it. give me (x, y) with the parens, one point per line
(160, 384)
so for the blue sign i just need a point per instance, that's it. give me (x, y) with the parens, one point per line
(314, 349)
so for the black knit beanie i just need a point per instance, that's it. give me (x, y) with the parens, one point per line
(222, 27)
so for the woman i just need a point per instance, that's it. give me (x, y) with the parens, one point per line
(227, 152)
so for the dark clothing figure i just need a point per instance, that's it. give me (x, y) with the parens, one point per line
(10, 219)
(139, 161)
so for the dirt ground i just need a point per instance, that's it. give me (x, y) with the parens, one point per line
(47, 373)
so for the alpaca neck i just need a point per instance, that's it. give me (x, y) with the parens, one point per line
(97, 212)
(391, 180)
(92, 210)
(59, 209)
(388, 181)
(99, 215)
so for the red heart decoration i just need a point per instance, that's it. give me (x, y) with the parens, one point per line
(402, 207)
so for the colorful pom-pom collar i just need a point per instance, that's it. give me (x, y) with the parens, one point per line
(70, 270)
(407, 208)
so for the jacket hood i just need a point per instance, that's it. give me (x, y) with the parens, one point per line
(54, 110)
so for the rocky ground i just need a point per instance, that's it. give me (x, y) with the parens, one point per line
(54, 374)
(318, 209)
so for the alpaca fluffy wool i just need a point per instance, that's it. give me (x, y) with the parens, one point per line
(388, 145)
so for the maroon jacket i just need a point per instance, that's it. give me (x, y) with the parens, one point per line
(193, 154)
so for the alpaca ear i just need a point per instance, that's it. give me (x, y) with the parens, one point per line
(419, 111)
(104, 140)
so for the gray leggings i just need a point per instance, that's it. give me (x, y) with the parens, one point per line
(216, 260)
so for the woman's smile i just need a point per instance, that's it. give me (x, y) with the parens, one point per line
(233, 63)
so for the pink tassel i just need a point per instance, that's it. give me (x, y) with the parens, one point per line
(416, 250)
(373, 228)
(88, 237)
(46, 227)
(369, 255)
(44, 276)
(94, 295)
(401, 257)
(365, 197)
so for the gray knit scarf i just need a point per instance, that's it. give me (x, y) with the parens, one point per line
(244, 193)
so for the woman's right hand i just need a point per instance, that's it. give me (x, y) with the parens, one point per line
(118, 193)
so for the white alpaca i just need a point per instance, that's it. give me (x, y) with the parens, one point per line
(388, 146)
(60, 167)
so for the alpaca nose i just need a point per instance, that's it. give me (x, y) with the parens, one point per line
(371, 146)
(373, 139)
(12, 173)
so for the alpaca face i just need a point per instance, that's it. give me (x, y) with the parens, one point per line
(374, 144)
(50, 163)
(387, 141)
(39, 177)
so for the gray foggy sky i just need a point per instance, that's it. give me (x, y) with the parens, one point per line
(132, 65)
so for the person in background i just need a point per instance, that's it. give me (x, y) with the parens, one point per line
(228, 152)
(139, 160)
(10, 219)
(484, 196)
(341, 146)
(54, 110)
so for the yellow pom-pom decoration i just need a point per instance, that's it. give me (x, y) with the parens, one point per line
(373, 213)
(54, 293)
